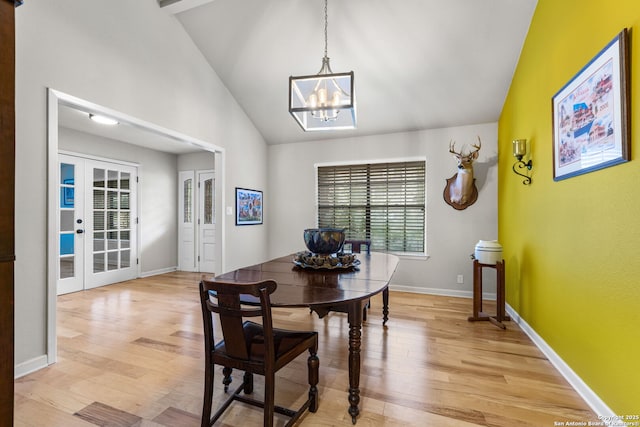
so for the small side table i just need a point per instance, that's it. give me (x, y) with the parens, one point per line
(478, 314)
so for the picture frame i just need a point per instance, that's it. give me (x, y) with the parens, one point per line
(591, 127)
(249, 206)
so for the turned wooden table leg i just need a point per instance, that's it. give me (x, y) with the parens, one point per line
(385, 305)
(355, 343)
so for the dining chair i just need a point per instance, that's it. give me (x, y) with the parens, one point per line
(251, 347)
(355, 246)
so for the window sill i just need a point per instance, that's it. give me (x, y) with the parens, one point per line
(411, 257)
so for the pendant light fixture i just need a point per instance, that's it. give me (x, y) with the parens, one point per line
(324, 101)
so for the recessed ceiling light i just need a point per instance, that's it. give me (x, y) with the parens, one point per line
(102, 119)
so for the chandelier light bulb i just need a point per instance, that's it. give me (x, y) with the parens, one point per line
(336, 99)
(313, 100)
(322, 97)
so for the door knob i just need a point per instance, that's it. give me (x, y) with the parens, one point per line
(79, 231)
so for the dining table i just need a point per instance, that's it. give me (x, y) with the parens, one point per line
(346, 289)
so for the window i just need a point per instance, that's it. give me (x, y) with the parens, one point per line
(383, 202)
(188, 201)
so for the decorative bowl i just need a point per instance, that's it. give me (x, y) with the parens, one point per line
(324, 241)
(340, 261)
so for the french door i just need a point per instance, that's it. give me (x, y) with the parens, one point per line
(196, 215)
(186, 222)
(97, 223)
(206, 222)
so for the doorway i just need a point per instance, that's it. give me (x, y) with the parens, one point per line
(98, 220)
(144, 133)
(197, 225)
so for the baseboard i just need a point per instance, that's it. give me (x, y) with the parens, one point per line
(25, 368)
(588, 395)
(156, 272)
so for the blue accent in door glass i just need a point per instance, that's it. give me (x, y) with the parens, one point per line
(66, 244)
(66, 173)
(66, 197)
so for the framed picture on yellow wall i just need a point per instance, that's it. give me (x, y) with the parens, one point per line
(591, 128)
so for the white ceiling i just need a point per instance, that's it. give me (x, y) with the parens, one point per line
(78, 119)
(418, 64)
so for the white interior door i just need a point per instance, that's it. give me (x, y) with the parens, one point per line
(186, 222)
(70, 224)
(206, 222)
(97, 219)
(111, 244)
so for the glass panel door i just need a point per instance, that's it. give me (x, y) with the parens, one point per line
(207, 230)
(186, 226)
(97, 223)
(112, 249)
(71, 228)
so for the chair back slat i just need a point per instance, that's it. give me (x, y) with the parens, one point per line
(356, 245)
(231, 312)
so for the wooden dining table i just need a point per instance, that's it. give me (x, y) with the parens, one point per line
(323, 289)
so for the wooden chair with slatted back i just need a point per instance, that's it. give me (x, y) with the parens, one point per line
(355, 246)
(251, 347)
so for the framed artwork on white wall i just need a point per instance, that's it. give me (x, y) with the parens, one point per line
(249, 206)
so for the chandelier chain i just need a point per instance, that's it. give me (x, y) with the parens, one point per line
(325, 27)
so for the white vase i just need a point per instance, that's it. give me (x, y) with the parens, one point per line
(488, 252)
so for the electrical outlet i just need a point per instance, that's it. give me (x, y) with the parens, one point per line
(460, 279)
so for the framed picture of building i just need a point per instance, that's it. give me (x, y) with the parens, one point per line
(591, 128)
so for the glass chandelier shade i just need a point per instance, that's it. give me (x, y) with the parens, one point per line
(324, 101)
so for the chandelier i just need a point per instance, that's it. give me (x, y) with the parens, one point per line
(324, 101)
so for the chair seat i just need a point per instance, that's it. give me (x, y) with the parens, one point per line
(286, 347)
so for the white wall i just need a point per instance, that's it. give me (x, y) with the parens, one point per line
(157, 193)
(132, 57)
(196, 161)
(451, 234)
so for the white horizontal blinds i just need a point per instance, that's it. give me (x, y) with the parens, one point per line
(384, 202)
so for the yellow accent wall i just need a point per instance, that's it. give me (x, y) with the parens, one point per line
(572, 247)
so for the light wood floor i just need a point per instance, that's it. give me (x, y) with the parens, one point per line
(131, 354)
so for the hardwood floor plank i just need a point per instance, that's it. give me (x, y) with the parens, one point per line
(177, 418)
(106, 416)
(137, 347)
(34, 413)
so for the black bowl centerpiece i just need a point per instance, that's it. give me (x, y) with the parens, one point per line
(324, 241)
(325, 250)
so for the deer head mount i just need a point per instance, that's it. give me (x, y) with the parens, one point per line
(460, 191)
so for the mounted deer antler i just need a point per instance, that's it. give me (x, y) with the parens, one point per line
(460, 191)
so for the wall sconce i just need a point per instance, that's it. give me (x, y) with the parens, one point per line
(519, 150)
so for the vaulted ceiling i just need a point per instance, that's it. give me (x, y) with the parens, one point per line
(418, 64)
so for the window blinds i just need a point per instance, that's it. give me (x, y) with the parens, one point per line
(383, 202)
